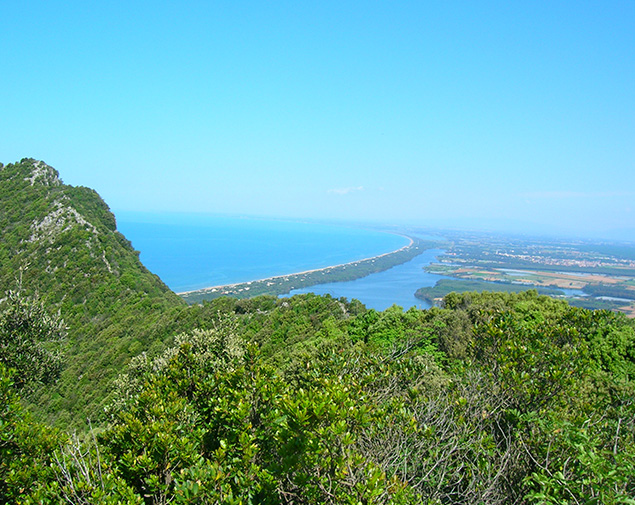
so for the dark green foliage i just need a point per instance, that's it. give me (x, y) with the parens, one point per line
(445, 286)
(538, 410)
(610, 291)
(26, 447)
(229, 429)
(317, 400)
(90, 205)
(565, 380)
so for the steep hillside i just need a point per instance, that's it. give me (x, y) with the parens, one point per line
(64, 244)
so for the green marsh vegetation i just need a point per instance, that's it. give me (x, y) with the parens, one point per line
(444, 287)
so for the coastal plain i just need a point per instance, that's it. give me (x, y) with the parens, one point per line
(589, 274)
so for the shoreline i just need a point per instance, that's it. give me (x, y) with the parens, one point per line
(283, 284)
(303, 272)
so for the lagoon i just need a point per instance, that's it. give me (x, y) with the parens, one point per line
(379, 291)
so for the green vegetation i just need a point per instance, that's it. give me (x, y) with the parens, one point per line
(445, 286)
(610, 291)
(495, 398)
(28, 335)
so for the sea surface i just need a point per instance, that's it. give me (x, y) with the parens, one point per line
(192, 251)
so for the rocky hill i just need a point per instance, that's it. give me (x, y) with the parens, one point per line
(61, 242)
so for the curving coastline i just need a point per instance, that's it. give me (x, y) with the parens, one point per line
(283, 284)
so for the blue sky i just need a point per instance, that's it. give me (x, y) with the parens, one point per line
(486, 115)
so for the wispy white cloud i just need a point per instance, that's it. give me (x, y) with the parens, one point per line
(345, 191)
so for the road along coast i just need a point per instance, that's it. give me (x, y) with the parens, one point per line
(283, 284)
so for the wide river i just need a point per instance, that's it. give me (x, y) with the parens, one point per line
(390, 287)
(191, 252)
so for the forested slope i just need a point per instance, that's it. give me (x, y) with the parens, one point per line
(62, 242)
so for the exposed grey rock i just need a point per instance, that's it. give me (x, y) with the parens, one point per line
(44, 174)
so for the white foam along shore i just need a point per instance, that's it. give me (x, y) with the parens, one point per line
(286, 277)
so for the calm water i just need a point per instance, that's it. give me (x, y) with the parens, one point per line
(192, 251)
(380, 291)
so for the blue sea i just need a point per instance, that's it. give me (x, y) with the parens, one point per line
(191, 252)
